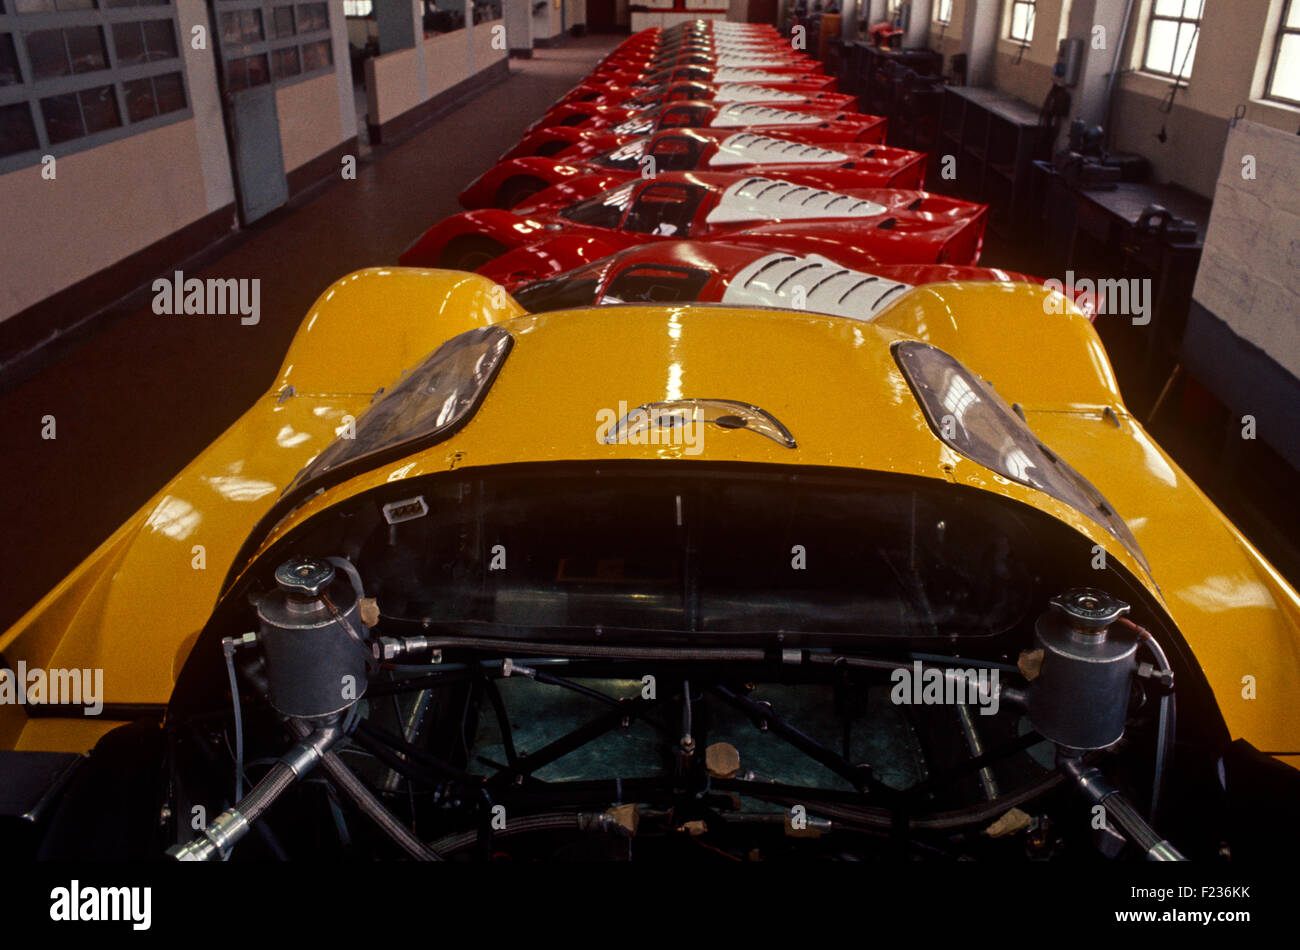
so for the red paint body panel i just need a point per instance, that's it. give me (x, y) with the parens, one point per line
(591, 115)
(773, 60)
(605, 95)
(723, 260)
(872, 166)
(553, 139)
(708, 74)
(914, 227)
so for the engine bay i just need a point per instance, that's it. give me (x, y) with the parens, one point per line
(623, 663)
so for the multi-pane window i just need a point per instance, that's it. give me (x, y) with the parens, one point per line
(78, 73)
(1171, 37)
(1020, 24)
(1284, 71)
(263, 41)
(943, 12)
(357, 7)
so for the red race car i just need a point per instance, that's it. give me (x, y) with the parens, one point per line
(771, 93)
(593, 115)
(718, 74)
(659, 39)
(726, 68)
(810, 127)
(566, 225)
(779, 60)
(793, 274)
(836, 166)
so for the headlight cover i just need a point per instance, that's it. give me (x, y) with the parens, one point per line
(425, 406)
(969, 417)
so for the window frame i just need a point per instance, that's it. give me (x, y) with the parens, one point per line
(1031, 20)
(938, 12)
(1283, 31)
(1181, 19)
(30, 91)
(268, 45)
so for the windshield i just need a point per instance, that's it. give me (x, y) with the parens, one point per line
(711, 551)
(575, 288)
(605, 210)
(625, 157)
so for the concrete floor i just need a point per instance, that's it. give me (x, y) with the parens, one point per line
(141, 397)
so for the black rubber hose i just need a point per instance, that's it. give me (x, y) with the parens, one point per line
(596, 651)
(368, 804)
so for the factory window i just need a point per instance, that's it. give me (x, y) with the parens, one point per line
(246, 72)
(282, 22)
(145, 41)
(1284, 72)
(1171, 37)
(270, 42)
(313, 16)
(943, 12)
(17, 131)
(1020, 24)
(66, 52)
(155, 95)
(285, 63)
(241, 27)
(79, 73)
(317, 56)
(76, 114)
(10, 75)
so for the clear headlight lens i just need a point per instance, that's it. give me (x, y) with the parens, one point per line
(427, 405)
(971, 418)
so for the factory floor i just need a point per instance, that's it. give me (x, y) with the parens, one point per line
(135, 402)
(141, 397)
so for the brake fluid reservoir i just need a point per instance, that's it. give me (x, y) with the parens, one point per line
(1080, 698)
(313, 640)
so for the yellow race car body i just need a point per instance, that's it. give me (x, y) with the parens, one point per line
(137, 607)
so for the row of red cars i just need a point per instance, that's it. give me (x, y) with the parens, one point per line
(709, 162)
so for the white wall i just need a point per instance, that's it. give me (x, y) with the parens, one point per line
(109, 202)
(1247, 274)
(398, 82)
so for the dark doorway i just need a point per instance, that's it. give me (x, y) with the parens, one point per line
(601, 17)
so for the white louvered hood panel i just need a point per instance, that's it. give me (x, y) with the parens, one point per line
(740, 114)
(765, 199)
(750, 148)
(814, 284)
